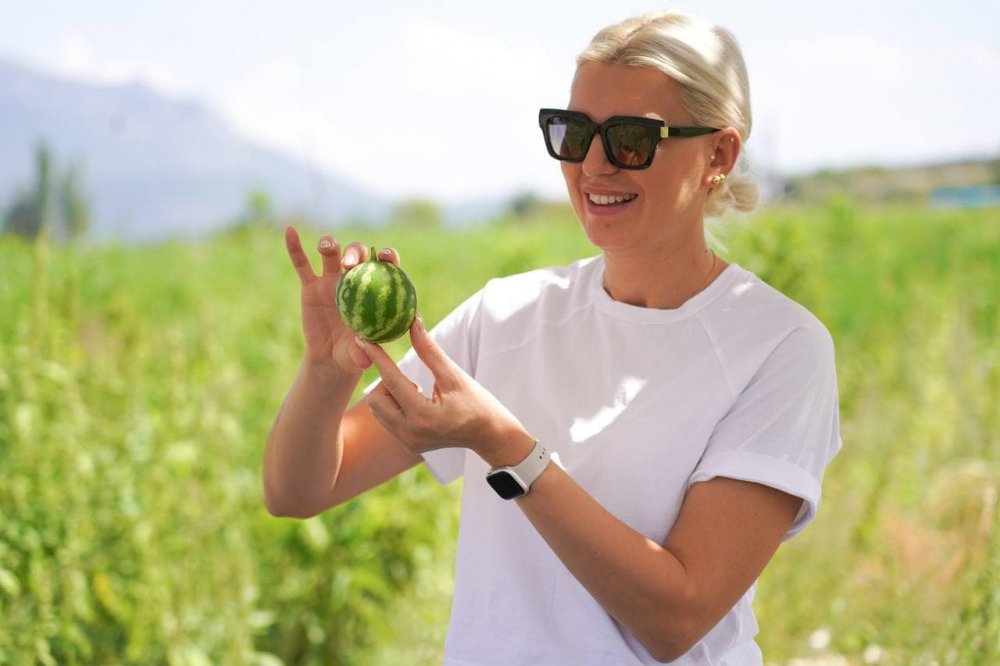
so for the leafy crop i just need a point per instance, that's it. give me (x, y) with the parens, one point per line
(137, 385)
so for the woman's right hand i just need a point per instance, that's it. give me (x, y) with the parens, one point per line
(329, 342)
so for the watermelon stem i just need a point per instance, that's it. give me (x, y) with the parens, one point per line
(371, 255)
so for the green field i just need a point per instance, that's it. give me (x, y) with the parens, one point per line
(137, 385)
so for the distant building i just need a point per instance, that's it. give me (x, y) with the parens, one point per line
(971, 183)
(973, 196)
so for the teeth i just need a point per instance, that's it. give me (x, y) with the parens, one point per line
(602, 200)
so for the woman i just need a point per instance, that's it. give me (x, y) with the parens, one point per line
(660, 418)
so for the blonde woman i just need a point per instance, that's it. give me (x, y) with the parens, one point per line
(638, 432)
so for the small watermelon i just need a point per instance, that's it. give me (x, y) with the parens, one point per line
(377, 300)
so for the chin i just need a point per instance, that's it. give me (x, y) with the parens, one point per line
(604, 236)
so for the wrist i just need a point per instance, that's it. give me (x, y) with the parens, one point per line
(327, 376)
(508, 450)
(513, 481)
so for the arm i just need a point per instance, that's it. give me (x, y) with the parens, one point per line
(666, 595)
(318, 452)
(318, 456)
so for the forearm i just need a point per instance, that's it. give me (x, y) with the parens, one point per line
(637, 581)
(305, 445)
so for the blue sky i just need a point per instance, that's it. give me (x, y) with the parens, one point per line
(387, 93)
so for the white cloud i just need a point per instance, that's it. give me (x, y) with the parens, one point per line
(451, 62)
(271, 103)
(488, 89)
(855, 97)
(75, 56)
(439, 112)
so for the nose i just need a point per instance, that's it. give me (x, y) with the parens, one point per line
(595, 162)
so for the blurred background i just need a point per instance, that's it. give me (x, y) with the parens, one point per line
(338, 111)
(150, 155)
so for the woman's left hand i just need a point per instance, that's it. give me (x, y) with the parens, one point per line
(459, 412)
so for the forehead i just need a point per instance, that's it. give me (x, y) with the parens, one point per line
(601, 90)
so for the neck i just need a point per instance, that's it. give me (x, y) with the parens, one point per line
(663, 282)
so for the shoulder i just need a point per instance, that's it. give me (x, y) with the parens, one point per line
(751, 320)
(510, 309)
(550, 289)
(759, 310)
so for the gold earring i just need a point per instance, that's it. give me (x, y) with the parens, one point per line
(718, 179)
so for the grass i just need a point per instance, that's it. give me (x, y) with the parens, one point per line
(137, 384)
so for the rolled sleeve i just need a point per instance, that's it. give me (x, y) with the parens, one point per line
(773, 472)
(783, 428)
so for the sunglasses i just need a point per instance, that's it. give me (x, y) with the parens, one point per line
(629, 142)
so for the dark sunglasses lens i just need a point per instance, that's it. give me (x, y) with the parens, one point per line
(568, 138)
(632, 145)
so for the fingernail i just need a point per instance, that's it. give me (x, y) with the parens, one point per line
(361, 343)
(325, 244)
(420, 323)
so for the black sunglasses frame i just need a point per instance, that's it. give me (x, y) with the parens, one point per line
(661, 129)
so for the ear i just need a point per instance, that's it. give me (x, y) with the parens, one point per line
(725, 147)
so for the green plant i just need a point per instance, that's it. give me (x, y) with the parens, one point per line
(137, 385)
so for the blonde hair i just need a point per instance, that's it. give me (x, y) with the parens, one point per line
(706, 61)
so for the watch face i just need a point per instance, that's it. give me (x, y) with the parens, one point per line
(505, 484)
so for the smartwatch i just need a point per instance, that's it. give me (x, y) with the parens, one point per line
(514, 482)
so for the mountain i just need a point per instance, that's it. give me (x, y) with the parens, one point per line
(154, 167)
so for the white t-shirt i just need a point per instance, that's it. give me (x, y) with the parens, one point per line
(639, 404)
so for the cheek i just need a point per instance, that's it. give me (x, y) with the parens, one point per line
(571, 174)
(675, 184)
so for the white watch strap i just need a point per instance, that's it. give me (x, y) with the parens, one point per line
(532, 467)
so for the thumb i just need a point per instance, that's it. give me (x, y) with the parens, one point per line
(436, 360)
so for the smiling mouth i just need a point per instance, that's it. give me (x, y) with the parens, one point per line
(604, 200)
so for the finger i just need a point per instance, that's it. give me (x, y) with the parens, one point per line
(389, 254)
(360, 358)
(388, 422)
(437, 361)
(398, 385)
(384, 407)
(329, 250)
(354, 254)
(298, 256)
